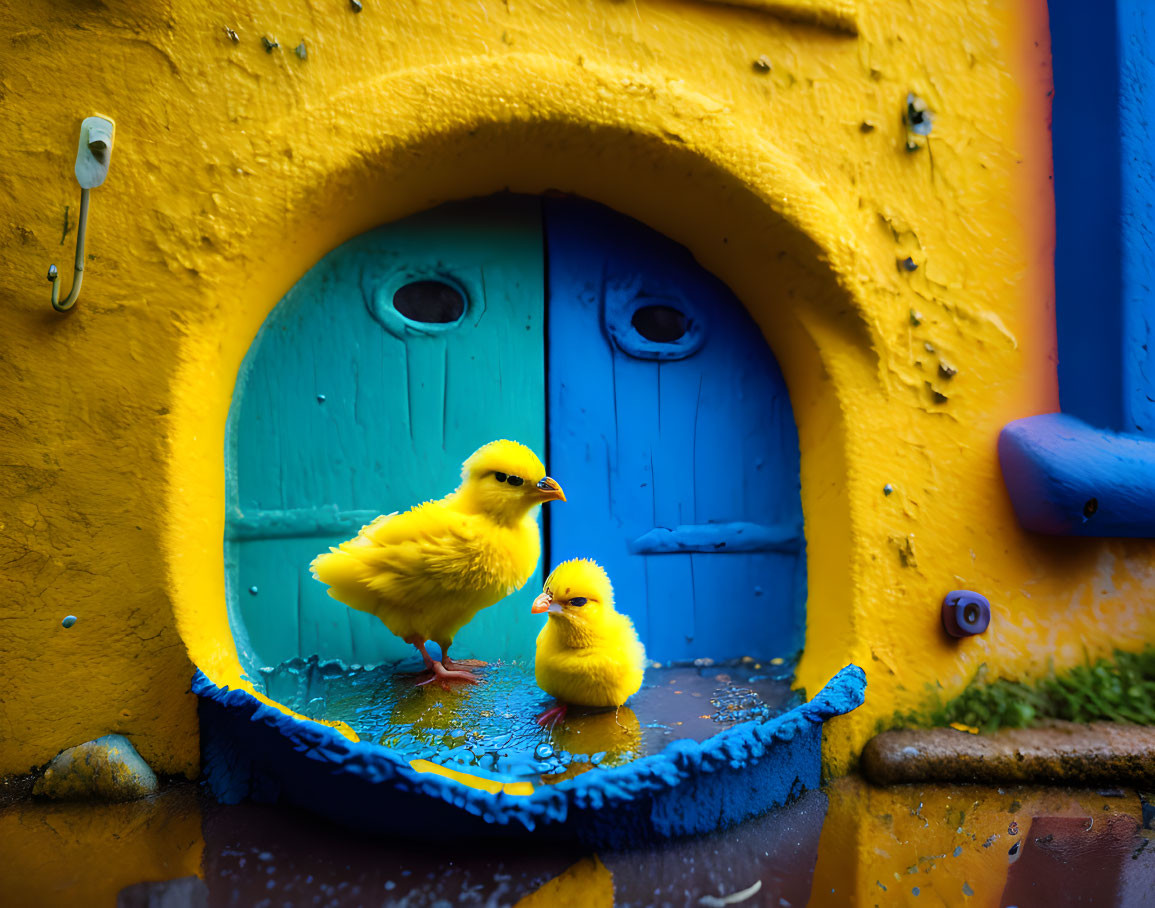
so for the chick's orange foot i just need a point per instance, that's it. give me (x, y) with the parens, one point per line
(443, 676)
(552, 716)
(453, 664)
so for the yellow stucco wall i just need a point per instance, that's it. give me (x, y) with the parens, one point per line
(235, 170)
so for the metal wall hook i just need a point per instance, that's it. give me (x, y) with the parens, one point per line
(92, 159)
(78, 276)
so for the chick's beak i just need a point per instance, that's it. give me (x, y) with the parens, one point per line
(549, 490)
(541, 604)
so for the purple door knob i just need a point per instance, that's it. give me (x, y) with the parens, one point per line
(965, 613)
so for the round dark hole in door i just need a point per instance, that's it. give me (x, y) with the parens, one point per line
(660, 324)
(429, 301)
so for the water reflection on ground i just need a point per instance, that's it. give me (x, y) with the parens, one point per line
(976, 845)
(849, 844)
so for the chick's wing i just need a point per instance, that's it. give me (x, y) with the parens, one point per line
(424, 550)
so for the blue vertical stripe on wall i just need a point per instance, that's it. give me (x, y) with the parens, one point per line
(1086, 128)
(1073, 473)
(680, 458)
(1136, 36)
(344, 409)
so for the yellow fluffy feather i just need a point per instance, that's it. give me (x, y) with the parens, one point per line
(587, 654)
(426, 572)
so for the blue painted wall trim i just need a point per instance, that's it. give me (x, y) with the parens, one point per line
(250, 750)
(1086, 131)
(1073, 473)
(1103, 130)
(1071, 479)
(1136, 31)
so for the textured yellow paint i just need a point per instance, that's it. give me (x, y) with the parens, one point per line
(84, 854)
(235, 170)
(586, 884)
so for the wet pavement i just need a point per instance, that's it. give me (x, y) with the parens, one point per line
(254, 854)
(849, 844)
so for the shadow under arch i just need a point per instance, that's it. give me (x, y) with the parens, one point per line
(667, 156)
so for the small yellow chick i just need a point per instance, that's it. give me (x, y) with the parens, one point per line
(426, 572)
(587, 654)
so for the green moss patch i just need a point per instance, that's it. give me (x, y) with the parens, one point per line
(1119, 689)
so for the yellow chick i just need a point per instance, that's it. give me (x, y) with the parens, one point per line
(587, 654)
(426, 572)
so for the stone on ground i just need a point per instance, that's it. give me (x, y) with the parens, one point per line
(106, 769)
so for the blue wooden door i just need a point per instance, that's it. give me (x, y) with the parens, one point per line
(671, 427)
(394, 358)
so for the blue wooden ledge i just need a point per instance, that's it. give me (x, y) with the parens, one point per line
(718, 538)
(251, 750)
(1067, 478)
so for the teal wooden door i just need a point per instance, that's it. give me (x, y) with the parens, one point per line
(394, 358)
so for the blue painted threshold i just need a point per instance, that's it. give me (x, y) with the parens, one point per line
(1067, 478)
(254, 751)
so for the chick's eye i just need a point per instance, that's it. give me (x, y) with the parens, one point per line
(515, 480)
(500, 477)
(579, 601)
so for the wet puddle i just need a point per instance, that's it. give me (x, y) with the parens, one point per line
(492, 726)
(852, 844)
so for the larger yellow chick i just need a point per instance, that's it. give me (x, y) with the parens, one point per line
(587, 654)
(426, 572)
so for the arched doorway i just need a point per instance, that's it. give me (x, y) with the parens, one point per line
(558, 322)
